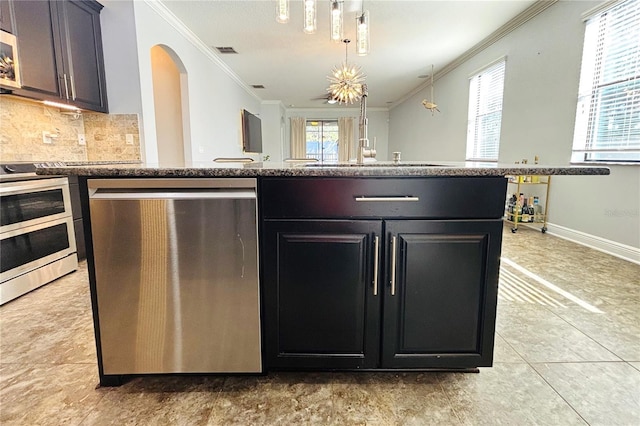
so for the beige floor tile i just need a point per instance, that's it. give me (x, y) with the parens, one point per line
(47, 394)
(167, 400)
(507, 394)
(276, 399)
(603, 393)
(538, 335)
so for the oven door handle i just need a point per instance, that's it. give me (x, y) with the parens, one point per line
(37, 185)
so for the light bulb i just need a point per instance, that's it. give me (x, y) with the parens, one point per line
(309, 16)
(282, 11)
(362, 34)
(336, 21)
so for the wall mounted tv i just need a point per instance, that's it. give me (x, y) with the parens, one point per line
(251, 133)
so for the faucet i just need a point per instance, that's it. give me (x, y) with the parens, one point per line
(364, 151)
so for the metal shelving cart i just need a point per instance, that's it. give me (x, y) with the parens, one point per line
(515, 218)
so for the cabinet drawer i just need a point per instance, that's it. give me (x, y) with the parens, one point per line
(432, 197)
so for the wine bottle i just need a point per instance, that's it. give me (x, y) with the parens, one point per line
(525, 211)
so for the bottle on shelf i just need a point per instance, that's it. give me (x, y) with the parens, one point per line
(525, 212)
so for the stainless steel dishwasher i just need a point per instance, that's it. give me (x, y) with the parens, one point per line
(176, 265)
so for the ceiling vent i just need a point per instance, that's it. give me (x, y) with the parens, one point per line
(257, 86)
(225, 50)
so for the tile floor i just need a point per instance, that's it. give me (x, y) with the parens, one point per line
(567, 352)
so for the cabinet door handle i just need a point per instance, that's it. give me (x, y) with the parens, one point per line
(73, 87)
(66, 86)
(393, 266)
(376, 254)
(403, 198)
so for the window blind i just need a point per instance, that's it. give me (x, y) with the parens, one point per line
(485, 113)
(608, 113)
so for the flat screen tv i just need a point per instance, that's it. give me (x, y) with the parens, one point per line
(251, 133)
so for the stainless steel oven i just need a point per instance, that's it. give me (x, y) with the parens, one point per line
(37, 240)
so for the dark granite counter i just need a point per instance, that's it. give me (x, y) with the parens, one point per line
(256, 169)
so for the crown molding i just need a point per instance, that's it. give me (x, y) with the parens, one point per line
(522, 18)
(162, 10)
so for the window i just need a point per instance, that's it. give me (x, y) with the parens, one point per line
(322, 140)
(485, 113)
(608, 114)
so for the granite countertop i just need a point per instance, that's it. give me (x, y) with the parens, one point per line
(301, 169)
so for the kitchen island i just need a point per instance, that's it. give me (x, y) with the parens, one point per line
(382, 266)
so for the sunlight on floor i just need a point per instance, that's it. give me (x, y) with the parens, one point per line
(525, 286)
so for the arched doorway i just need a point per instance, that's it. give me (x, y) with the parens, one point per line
(170, 92)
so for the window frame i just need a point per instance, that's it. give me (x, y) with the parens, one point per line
(602, 92)
(483, 102)
(321, 158)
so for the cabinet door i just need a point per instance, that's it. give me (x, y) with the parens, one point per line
(37, 33)
(6, 23)
(440, 303)
(320, 308)
(82, 51)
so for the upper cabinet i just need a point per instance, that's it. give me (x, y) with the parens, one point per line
(5, 16)
(60, 52)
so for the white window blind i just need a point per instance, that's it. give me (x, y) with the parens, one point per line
(608, 113)
(485, 113)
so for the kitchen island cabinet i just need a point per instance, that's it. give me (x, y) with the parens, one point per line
(414, 289)
(389, 267)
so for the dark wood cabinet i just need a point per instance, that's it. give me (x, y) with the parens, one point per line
(439, 309)
(60, 51)
(391, 284)
(41, 67)
(6, 16)
(76, 209)
(321, 310)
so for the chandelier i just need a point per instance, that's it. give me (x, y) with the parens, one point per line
(336, 20)
(346, 81)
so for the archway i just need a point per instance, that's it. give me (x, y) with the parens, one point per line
(170, 95)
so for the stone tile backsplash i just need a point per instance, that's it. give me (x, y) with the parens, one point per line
(107, 136)
(22, 123)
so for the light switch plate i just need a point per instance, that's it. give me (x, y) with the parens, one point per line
(129, 138)
(46, 138)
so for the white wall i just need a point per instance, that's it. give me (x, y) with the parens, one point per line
(378, 125)
(214, 99)
(541, 85)
(273, 131)
(168, 107)
(120, 57)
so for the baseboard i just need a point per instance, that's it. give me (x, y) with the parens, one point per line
(623, 251)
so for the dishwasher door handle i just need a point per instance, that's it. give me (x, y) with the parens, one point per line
(109, 194)
(402, 198)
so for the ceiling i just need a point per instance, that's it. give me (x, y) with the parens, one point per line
(407, 37)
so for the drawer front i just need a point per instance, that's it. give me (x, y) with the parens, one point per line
(433, 197)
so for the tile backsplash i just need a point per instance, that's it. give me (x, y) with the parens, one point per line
(22, 123)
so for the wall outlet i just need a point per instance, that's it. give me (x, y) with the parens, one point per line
(201, 149)
(81, 139)
(129, 138)
(46, 137)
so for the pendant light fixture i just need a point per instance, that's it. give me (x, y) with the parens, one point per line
(346, 81)
(309, 16)
(337, 13)
(431, 105)
(282, 11)
(362, 32)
